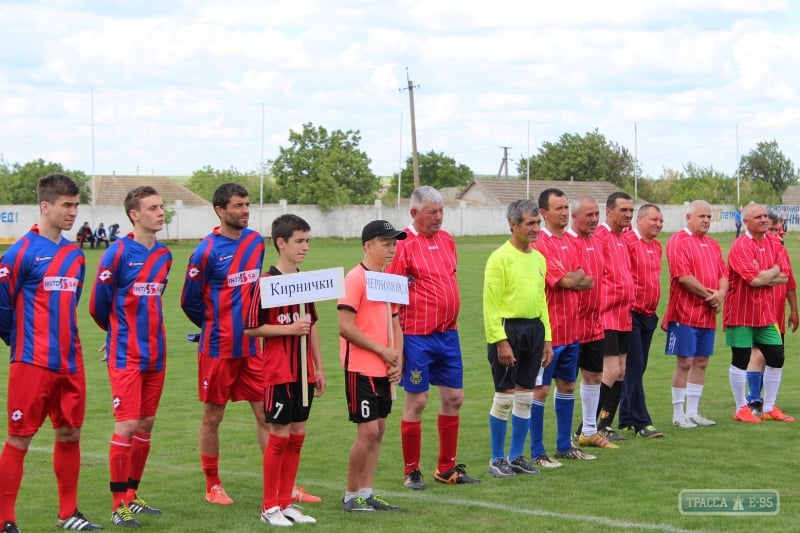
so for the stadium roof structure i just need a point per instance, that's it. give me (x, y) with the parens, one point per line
(503, 192)
(111, 190)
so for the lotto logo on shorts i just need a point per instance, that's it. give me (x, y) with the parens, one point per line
(16, 415)
(117, 401)
(671, 343)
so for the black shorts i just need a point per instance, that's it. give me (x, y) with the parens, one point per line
(616, 342)
(368, 398)
(590, 357)
(526, 337)
(283, 404)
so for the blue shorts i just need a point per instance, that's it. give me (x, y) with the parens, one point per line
(563, 366)
(433, 359)
(688, 341)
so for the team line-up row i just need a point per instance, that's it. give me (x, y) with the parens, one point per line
(532, 285)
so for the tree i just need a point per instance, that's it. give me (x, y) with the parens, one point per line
(206, 180)
(325, 168)
(703, 183)
(767, 163)
(588, 158)
(435, 169)
(19, 181)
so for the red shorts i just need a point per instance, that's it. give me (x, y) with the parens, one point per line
(135, 394)
(34, 393)
(223, 380)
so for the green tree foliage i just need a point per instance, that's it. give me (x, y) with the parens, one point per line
(766, 163)
(18, 181)
(325, 168)
(583, 158)
(435, 169)
(205, 181)
(703, 183)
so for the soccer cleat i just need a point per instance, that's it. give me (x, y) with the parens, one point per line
(218, 495)
(357, 505)
(520, 465)
(414, 480)
(9, 527)
(274, 517)
(684, 423)
(455, 476)
(545, 462)
(124, 517)
(609, 434)
(301, 495)
(757, 408)
(500, 468)
(77, 522)
(379, 504)
(139, 506)
(744, 414)
(649, 432)
(293, 513)
(596, 441)
(576, 454)
(777, 415)
(700, 420)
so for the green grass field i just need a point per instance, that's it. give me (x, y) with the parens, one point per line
(635, 487)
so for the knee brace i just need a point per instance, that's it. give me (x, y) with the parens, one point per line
(501, 405)
(773, 354)
(740, 357)
(522, 404)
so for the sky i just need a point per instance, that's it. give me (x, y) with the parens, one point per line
(168, 87)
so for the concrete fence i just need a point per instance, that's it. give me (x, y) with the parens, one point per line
(460, 219)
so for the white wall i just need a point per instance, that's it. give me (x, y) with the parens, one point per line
(193, 223)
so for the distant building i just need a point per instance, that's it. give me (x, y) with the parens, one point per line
(503, 192)
(111, 190)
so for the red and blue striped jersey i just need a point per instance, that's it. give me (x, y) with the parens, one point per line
(127, 303)
(218, 289)
(40, 286)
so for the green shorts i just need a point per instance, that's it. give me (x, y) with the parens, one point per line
(746, 336)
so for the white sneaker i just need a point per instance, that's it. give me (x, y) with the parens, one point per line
(274, 517)
(684, 423)
(293, 513)
(700, 420)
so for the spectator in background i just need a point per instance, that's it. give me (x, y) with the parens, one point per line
(737, 219)
(85, 234)
(113, 232)
(100, 235)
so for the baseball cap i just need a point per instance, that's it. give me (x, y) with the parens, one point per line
(382, 229)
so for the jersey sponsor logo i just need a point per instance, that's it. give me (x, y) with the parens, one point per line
(4, 272)
(288, 318)
(243, 278)
(147, 289)
(224, 257)
(105, 275)
(193, 271)
(60, 284)
(135, 263)
(41, 258)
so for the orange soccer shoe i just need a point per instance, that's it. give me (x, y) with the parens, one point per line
(300, 495)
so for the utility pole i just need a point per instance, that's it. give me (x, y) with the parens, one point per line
(414, 155)
(504, 162)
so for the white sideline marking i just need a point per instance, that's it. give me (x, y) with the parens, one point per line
(409, 495)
